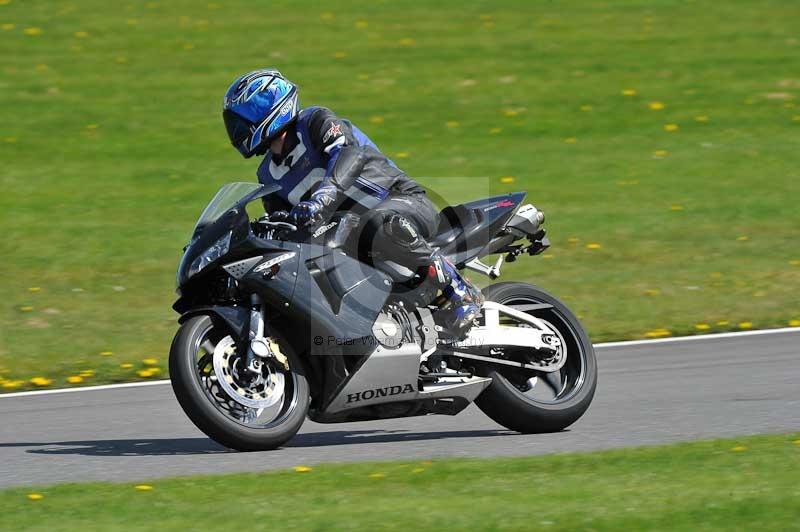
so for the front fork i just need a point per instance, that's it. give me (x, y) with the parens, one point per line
(260, 347)
(257, 346)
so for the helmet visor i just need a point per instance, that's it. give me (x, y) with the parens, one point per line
(239, 129)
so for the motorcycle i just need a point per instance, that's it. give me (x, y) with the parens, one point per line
(279, 323)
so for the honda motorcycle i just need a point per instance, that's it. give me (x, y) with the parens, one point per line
(280, 322)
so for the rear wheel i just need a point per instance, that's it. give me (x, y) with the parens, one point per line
(532, 401)
(221, 400)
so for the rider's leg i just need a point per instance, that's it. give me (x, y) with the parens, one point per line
(400, 227)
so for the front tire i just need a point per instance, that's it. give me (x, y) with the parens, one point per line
(213, 411)
(508, 402)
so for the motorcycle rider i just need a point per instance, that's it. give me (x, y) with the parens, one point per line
(325, 164)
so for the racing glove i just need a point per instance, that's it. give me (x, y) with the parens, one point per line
(315, 209)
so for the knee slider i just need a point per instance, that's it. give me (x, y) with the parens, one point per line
(401, 230)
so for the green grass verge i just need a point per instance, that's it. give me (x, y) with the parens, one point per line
(749, 483)
(112, 143)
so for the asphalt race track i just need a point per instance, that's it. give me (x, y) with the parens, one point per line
(647, 394)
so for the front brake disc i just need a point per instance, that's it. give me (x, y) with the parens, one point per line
(262, 393)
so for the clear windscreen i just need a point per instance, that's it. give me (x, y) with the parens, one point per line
(228, 197)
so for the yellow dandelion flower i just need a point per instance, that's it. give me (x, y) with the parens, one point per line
(87, 373)
(452, 123)
(26, 308)
(796, 442)
(742, 238)
(586, 107)
(126, 365)
(652, 292)
(723, 323)
(671, 128)
(796, 118)
(10, 385)
(302, 469)
(376, 119)
(745, 325)
(658, 333)
(507, 179)
(656, 106)
(702, 326)
(401, 155)
(593, 245)
(739, 448)
(794, 262)
(421, 469)
(407, 41)
(150, 361)
(145, 373)
(10, 140)
(106, 353)
(701, 118)
(8, 26)
(41, 381)
(660, 154)
(362, 24)
(74, 379)
(32, 31)
(327, 16)
(339, 55)
(34, 289)
(495, 130)
(571, 140)
(794, 323)
(676, 207)
(35, 496)
(629, 92)
(510, 113)
(143, 487)
(81, 34)
(573, 240)
(377, 475)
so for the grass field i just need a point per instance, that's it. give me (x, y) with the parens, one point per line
(744, 484)
(661, 137)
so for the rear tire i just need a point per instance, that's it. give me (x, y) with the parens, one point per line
(193, 398)
(507, 405)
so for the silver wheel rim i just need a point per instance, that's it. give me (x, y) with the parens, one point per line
(202, 359)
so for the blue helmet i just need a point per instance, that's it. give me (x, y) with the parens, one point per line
(258, 106)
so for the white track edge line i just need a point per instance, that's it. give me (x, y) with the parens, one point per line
(699, 337)
(85, 388)
(625, 343)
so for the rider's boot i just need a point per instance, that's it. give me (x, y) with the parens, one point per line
(462, 299)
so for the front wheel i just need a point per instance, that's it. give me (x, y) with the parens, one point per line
(531, 401)
(226, 403)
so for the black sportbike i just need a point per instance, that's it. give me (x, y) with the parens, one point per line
(279, 323)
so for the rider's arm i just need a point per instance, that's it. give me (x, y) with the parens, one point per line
(345, 159)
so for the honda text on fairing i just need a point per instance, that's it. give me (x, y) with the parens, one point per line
(279, 323)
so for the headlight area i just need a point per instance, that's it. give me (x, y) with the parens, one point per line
(214, 251)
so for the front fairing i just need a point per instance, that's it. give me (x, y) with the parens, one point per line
(211, 228)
